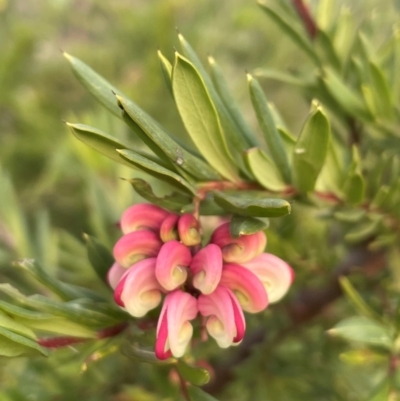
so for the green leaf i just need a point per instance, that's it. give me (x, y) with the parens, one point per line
(363, 330)
(324, 42)
(241, 225)
(100, 257)
(156, 170)
(291, 29)
(354, 185)
(101, 89)
(267, 207)
(173, 201)
(281, 77)
(134, 351)
(271, 134)
(382, 391)
(230, 103)
(9, 323)
(347, 98)
(193, 374)
(197, 394)
(23, 344)
(356, 300)
(345, 33)
(310, 151)
(200, 117)
(350, 215)
(264, 170)
(363, 231)
(162, 144)
(166, 69)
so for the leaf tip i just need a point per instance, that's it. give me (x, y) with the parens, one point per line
(249, 77)
(211, 60)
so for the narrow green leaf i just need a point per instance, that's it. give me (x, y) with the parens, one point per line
(281, 77)
(350, 216)
(174, 201)
(156, 170)
(166, 69)
(100, 88)
(289, 141)
(347, 98)
(291, 29)
(193, 374)
(264, 170)
(271, 134)
(325, 11)
(10, 348)
(9, 323)
(380, 197)
(162, 144)
(345, 33)
(200, 117)
(30, 344)
(310, 151)
(197, 394)
(324, 42)
(241, 225)
(363, 330)
(356, 300)
(134, 351)
(100, 257)
(363, 231)
(354, 185)
(17, 311)
(230, 103)
(250, 206)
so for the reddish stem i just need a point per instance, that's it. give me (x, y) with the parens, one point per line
(308, 21)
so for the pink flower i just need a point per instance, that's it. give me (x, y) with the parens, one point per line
(174, 330)
(238, 250)
(142, 216)
(136, 246)
(138, 291)
(247, 287)
(169, 228)
(206, 267)
(114, 274)
(188, 228)
(172, 262)
(275, 274)
(226, 322)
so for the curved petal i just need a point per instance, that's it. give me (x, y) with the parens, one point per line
(136, 246)
(169, 228)
(188, 228)
(226, 323)
(246, 286)
(174, 330)
(138, 291)
(172, 263)
(275, 274)
(206, 267)
(142, 216)
(114, 274)
(238, 250)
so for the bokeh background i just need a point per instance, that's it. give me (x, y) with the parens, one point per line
(53, 188)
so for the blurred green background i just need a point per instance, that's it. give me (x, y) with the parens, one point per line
(52, 188)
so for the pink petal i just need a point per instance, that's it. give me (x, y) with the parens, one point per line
(275, 274)
(169, 228)
(136, 246)
(174, 330)
(206, 267)
(226, 323)
(138, 291)
(114, 274)
(172, 263)
(188, 228)
(142, 216)
(247, 287)
(238, 250)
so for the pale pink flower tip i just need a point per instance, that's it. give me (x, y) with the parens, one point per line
(206, 267)
(169, 228)
(136, 246)
(174, 330)
(275, 274)
(172, 262)
(142, 216)
(188, 228)
(114, 274)
(238, 250)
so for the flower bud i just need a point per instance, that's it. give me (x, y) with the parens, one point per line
(172, 263)
(142, 216)
(136, 246)
(188, 228)
(169, 228)
(238, 250)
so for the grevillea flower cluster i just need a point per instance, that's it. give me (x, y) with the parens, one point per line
(160, 258)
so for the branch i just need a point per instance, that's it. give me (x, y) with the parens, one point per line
(307, 304)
